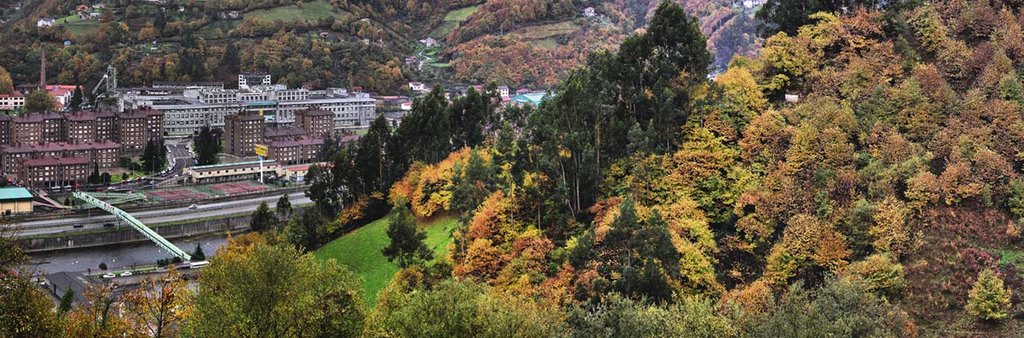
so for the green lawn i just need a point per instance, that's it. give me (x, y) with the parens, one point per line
(452, 20)
(310, 11)
(360, 251)
(225, 26)
(540, 32)
(461, 14)
(67, 19)
(81, 28)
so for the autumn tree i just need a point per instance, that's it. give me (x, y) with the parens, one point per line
(988, 299)
(808, 248)
(472, 183)
(624, 317)
(259, 290)
(469, 309)
(26, 310)
(39, 101)
(6, 85)
(892, 229)
(788, 15)
(98, 316)
(838, 308)
(147, 33)
(158, 307)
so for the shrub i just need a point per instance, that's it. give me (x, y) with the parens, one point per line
(988, 299)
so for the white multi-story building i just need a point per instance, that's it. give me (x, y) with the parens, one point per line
(12, 101)
(187, 110)
(253, 79)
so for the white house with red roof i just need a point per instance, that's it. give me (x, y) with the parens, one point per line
(62, 93)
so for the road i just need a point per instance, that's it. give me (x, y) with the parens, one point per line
(175, 214)
(181, 157)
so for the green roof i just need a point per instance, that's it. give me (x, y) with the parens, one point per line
(14, 193)
(531, 98)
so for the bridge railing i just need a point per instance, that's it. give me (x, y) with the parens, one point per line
(135, 223)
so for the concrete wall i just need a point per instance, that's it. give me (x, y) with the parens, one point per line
(127, 234)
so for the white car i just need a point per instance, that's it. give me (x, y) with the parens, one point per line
(109, 275)
(193, 207)
(126, 274)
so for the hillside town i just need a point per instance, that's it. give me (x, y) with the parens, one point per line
(511, 168)
(58, 149)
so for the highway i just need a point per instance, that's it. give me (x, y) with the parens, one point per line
(150, 217)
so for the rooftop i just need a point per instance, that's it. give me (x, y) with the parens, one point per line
(222, 166)
(315, 112)
(14, 193)
(58, 146)
(531, 98)
(48, 161)
(275, 132)
(301, 141)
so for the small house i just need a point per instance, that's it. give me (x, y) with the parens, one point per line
(15, 200)
(418, 87)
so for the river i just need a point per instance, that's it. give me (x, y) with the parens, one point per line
(143, 253)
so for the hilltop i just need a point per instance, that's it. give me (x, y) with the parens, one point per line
(379, 45)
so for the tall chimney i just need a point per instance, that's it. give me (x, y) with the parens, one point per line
(42, 69)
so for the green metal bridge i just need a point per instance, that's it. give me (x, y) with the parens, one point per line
(122, 216)
(114, 198)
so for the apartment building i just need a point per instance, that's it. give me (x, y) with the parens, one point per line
(242, 132)
(135, 128)
(104, 154)
(300, 150)
(53, 172)
(315, 122)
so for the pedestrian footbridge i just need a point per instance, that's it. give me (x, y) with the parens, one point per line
(125, 217)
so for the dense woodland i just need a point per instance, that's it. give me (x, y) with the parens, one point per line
(365, 42)
(859, 177)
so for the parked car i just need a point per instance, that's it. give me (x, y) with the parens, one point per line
(109, 275)
(126, 274)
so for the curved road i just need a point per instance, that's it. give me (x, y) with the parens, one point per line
(155, 216)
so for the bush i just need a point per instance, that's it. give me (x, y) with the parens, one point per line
(988, 299)
(1016, 200)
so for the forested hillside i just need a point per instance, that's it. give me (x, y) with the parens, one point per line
(337, 43)
(859, 177)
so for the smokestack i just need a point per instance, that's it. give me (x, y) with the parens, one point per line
(42, 69)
